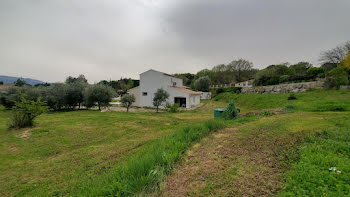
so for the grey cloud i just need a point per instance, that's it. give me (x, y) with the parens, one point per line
(107, 39)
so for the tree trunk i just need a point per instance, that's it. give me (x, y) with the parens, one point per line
(157, 108)
(79, 105)
(127, 109)
(99, 106)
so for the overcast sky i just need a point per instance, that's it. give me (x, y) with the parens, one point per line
(106, 39)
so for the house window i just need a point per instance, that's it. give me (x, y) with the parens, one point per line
(174, 83)
(144, 93)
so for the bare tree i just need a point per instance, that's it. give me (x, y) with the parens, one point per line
(335, 55)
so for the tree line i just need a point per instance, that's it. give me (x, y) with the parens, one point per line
(334, 68)
(73, 93)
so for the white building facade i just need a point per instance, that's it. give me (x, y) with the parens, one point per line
(152, 80)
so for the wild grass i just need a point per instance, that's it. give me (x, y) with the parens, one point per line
(323, 168)
(316, 100)
(145, 172)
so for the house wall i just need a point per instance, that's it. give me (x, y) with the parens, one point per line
(151, 81)
(194, 100)
(206, 95)
(176, 93)
(136, 92)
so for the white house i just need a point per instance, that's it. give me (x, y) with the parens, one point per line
(205, 95)
(152, 80)
(243, 84)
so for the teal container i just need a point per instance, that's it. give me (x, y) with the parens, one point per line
(218, 112)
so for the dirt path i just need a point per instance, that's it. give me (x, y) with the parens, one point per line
(230, 163)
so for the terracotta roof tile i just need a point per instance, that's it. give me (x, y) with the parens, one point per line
(188, 91)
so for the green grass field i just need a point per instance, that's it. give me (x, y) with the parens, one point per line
(116, 153)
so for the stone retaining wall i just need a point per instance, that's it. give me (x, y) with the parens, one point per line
(284, 88)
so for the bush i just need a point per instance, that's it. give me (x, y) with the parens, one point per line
(292, 97)
(173, 108)
(8, 97)
(159, 97)
(220, 90)
(127, 100)
(235, 90)
(98, 94)
(231, 111)
(289, 108)
(284, 78)
(25, 111)
(337, 77)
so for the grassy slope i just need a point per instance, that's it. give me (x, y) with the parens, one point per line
(287, 154)
(317, 100)
(65, 148)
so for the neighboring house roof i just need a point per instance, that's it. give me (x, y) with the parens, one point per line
(134, 88)
(160, 72)
(185, 90)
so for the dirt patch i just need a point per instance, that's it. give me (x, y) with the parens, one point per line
(26, 134)
(13, 148)
(271, 111)
(229, 163)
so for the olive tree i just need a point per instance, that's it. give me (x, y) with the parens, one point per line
(98, 94)
(159, 97)
(127, 100)
(202, 84)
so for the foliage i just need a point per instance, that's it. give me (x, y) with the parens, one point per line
(337, 77)
(20, 83)
(8, 97)
(271, 75)
(235, 90)
(121, 85)
(230, 112)
(292, 97)
(315, 72)
(1, 82)
(98, 94)
(159, 97)
(74, 95)
(25, 111)
(241, 68)
(284, 78)
(173, 108)
(188, 78)
(346, 61)
(328, 66)
(202, 84)
(127, 100)
(57, 95)
(236, 71)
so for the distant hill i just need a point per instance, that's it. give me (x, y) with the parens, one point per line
(8, 79)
